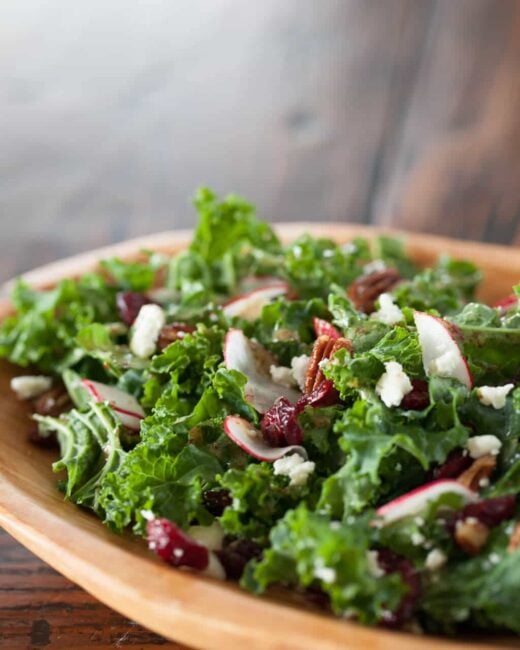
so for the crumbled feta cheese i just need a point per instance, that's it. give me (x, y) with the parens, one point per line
(295, 467)
(29, 386)
(148, 515)
(435, 559)
(323, 572)
(282, 376)
(145, 332)
(393, 384)
(445, 365)
(494, 558)
(483, 482)
(374, 266)
(481, 445)
(494, 396)
(417, 538)
(373, 565)
(299, 367)
(388, 313)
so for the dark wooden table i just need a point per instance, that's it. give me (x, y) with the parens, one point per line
(394, 112)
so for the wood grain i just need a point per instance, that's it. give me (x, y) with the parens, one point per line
(121, 572)
(395, 112)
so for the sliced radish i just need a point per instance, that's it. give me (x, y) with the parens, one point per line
(250, 439)
(507, 303)
(440, 353)
(260, 391)
(414, 502)
(255, 282)
(323, 327)
(249, 306)
(126, 406)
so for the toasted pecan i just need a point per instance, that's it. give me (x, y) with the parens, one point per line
(171, 333)
(514, 540)
(480, 469)
(324, 348)
(53, 402)
(367, 289)
(471, 535)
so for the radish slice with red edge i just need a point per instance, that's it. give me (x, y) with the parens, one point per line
(440, 352)
(126, 406)
(249, 306)
(323, 327)
(507, 303)
(414, 502)
(250, 439)
(260, 391)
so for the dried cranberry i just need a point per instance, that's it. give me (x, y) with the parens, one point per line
(490, 512)
(129, 303)
(418, 398)
(44, 442)
(453, 466)
(235, 554)
(324, 395)
(507, 303)
(322, 327)
(280, 424)
(175, 547)
(390, 563)
(216, 501)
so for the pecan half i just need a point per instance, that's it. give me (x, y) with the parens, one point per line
(514, 540)
(471, 535)
(324, 348)
(367, 289)
(171, 333)
(480, 470)
(53, 402)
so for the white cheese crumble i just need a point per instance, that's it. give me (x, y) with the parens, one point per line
(295, 467)
(325, 573)
(299, 367)
(282, 376)
(373, 564)
(388, 313)
(481, 445)
(145, 331)
(393, 384)
(435, 559)
(374, 266)
(494, 396)
(29, 386)
(417, 538)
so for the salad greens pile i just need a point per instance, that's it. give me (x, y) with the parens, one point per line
(385, 490)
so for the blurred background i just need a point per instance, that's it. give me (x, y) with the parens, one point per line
(404, 113)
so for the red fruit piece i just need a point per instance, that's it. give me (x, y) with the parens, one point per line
(453, 466)
(280, 424)
(490, 512)
(129, 303)
(324, 395)
(323, 327)
(418, 398)
(171, 544)
(390, 562)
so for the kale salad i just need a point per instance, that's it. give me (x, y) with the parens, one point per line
(329, 419)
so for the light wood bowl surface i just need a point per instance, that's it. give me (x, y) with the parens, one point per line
(119, 570)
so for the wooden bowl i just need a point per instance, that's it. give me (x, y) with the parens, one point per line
(119, 570)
